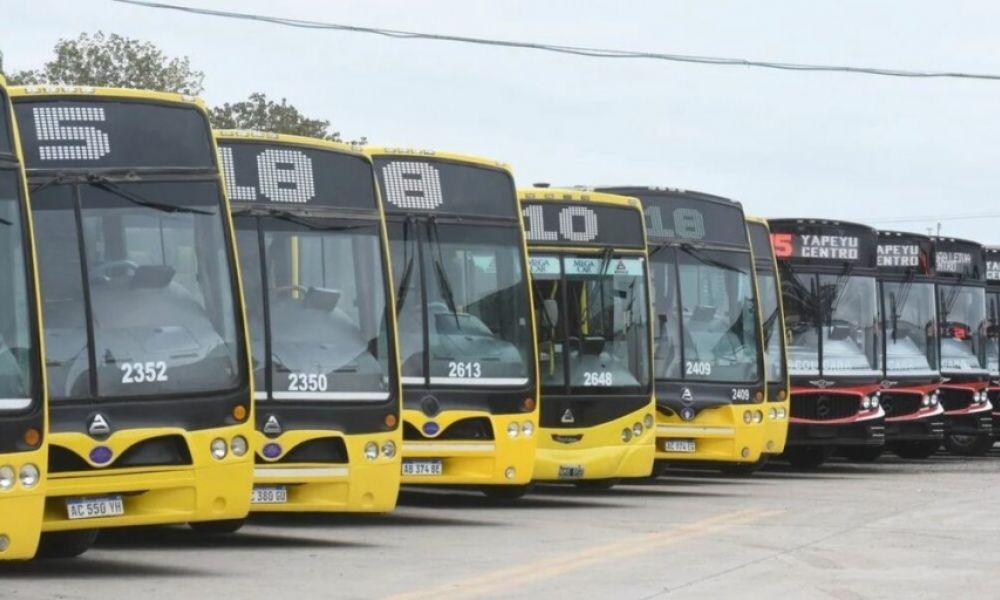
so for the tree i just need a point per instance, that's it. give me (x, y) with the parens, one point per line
(258, 112)
(114, 61)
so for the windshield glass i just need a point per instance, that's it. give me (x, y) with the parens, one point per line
(910, 340)
(993, 332)
(317, 288)
(156, 280)
(466, 285)
(592, 323)
(16, 348)
(841, 311)
(774, 342)
(706, 317)
(962, 316)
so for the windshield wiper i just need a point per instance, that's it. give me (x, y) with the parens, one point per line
(700, 257)
(442, 275)
(839, 288)
(290, 217)
(103, 183)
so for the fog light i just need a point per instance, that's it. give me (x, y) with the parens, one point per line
(510, 473)
(770, 445)
(637, 429)
(781, 412)
(745, 452)
(388, 449)
(4, 543)
(626, 434)
(772, 413)
(29, 476)
(527, 428)
(239, 445)
(866, 403)
(6, 478)
(513, 429)
(371, 450)
(219, 448)
(747, 417)
(648, 421)
(758, 416)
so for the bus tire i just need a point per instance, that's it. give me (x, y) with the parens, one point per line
(915, 450)
(807, 457)
(597, 485)
(968, 445)
(223, 527)
(66, 544)
(743, 469)
(507, 493)
(862, 453)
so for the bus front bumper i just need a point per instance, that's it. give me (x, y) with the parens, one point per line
(973, 421)
(20, 524)
(487, 462)
(566, 464)
(713, 436)
(856, 432)
(924, 425)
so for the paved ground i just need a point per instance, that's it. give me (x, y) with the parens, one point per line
(897, 528)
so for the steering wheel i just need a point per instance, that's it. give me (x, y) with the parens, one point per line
(104, 271)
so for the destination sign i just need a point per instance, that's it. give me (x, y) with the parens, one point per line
(296, 175)
(821, 247)
(952, 261)
(97, 133)
(898, 255)
(993, 270)
(582, 224)
(688, 217)
(437, 186)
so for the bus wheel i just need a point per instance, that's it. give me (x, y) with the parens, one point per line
(744, 469)
(597, 485)
(862, 453)
(218, 527)
(968, 445)
(807, 457)
(66, 544)
(506, 492)
(916, 450)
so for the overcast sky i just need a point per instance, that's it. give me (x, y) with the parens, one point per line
(785, 144)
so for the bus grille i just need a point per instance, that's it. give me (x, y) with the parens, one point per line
(163, 451)
(331, 450)
(901, 404)
(473, 428)
(956, 398)
(824, 407)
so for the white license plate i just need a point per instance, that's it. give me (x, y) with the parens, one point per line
(422, 467)
(678, 446)
(270, 494)
(570, 471)
(95, 507)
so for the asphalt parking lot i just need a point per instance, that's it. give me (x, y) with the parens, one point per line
(913, 529)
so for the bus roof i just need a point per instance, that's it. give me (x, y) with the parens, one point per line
(757, 220)
(267, 137)
(375, 151)
(55, 91)
(650, 190)
(577, 195)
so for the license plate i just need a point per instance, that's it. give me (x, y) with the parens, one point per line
(570, 471)
(95, 507)
(273, 494)
(422, 467)
(678, 446)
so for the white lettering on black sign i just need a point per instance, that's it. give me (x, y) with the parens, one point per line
(952, 262)
(898, 255)
(993, 270)
(283, 175)
(836, 247)
(576, 224)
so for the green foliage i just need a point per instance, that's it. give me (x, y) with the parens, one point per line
(258, 112)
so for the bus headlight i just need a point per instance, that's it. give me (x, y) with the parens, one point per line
(626, 435)
(6, 478)
(388, 449)
(219, 448)
(637, 429)
(935, 398)
(527, 428)
(758, 416)
(513, 429)
(648, 421)
(926, 400)
(29, 476)
(371, 450)
(772, 413)
(876, 399)
(747, 417)
(866, 403)
(781, 412)
(239, 445)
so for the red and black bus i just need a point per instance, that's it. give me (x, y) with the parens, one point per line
(828, 283)
(961, 295)
(914, 418)
(992, 257)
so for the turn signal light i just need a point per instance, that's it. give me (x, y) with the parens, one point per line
(390, 420)
(781, 395)
(528, 405)
(240, 412)
(32, 437)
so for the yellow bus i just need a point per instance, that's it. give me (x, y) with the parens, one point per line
(313, 258)
(708, 346)
(465, 318)
(150, 399)
(23, 439)
(778, 387)
(587, 257)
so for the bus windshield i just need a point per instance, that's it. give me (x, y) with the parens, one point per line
(706, 317)
(136, 289)
(962, 315)
(315, 298)
(837, 312)
(16, 347)
(592, 323)
(993, 332)
(774, 342)
(910, 340)
(465, 286)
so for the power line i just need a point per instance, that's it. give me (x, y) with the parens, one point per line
(918, 219)
(573, 50)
